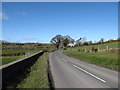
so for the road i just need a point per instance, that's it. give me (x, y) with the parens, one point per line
(68, 72)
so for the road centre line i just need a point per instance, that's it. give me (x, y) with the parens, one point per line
(89, 73)
(64, 60)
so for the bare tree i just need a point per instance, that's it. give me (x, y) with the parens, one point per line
(57, 40)
(101, 40)
(118, 38)
(65, 42)
(80, 41)
(62, 41)
(83, 39)
(69, 39)
(89, 42)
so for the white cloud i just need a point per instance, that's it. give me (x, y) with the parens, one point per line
(4, 16)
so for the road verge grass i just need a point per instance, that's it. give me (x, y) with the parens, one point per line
(104, 59)
(37, 78)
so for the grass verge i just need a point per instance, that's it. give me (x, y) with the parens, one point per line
(105, 59)
(37, 78)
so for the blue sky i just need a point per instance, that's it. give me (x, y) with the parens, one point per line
(39, 21)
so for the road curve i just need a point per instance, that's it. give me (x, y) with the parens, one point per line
(68, 72)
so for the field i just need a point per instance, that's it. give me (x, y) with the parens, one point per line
(18, 51)
(101, 46)
(37, 78)
(8, 59)
(27, 48)
(104, 59)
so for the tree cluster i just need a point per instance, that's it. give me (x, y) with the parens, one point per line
(61, 41)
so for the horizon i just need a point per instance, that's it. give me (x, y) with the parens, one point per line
(39, 21)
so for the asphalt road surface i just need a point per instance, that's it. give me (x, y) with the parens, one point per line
(68, 72)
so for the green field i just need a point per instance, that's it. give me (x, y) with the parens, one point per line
(105, 59)
(18, 51)
(101, 46)
(37, 78)
(8, 59)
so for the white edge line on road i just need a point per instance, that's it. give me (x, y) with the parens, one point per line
(89, 73)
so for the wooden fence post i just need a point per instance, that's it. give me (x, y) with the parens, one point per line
(98, 48)
(85, 49)
(107, 47)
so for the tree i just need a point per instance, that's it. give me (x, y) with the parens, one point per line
(89, 42)
(65, 42)
(80, 41)
(85, 43)
(61, 41)
(102, 40)
(118, 38)
(57, 40)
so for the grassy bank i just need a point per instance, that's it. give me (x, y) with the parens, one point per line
(37, 78)
(105, 59)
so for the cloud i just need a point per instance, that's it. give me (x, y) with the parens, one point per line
(4, 16)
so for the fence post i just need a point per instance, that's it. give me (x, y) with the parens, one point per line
(107, 47)
(98, 48)
(85, 49)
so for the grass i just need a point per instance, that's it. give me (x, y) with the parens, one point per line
(18, 51)
(37, 78)
(8, 59)
(101, 46)
(105, 59)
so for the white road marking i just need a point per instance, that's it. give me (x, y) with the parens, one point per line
(89, 73)
(64, 60)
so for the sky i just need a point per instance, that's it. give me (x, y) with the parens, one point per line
(40, 21)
